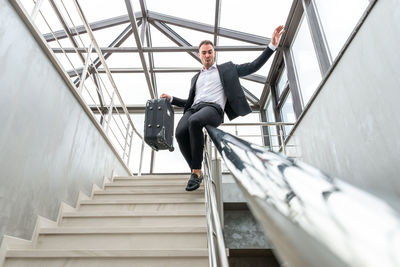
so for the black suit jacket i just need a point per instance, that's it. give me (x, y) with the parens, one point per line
(229, 73)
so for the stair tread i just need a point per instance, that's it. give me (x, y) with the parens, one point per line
(118, 230)
(147, 183)
(148, 192)
(89, 253)
(134, 213)
(143, 201)
(164, 176)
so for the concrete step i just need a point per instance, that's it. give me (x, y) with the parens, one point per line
(115, 258)
(123, 237)
(128, 205)
(133, 219)
(152, 187)
(156, 188)
(149, 194)
(172, 177)
(144, 183)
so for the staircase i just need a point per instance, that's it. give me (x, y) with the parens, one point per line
(134, 221)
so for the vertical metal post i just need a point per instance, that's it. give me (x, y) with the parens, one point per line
(141, 158)
(217, 175)
(130, 149)
(282, 139)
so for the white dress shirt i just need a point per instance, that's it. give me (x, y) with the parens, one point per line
(209, 87)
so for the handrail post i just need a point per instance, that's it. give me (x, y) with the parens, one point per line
(217, 175)
(281, 132)
(130, 149)
(141, 158)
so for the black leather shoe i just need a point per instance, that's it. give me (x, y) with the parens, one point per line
(194, 182)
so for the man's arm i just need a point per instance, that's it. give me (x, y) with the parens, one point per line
(249, 68)
(178, 102)
(174, 100)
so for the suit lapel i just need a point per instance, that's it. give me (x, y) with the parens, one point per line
(193, 87)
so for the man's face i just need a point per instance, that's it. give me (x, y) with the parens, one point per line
(207, 55)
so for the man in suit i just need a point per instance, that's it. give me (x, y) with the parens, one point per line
(214, 90)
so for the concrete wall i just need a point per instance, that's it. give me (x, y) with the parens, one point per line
(241, 230)
(352, 128)
(49, 147)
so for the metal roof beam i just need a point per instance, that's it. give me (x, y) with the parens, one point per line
(135, 31)
(114, 49)
(72, 73)
(217, 19)
(193, 25)
(176, 38)
(98, 25)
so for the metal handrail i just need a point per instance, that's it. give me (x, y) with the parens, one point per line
(217, 252)
(311, 219)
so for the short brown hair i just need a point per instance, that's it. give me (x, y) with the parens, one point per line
(206, 42)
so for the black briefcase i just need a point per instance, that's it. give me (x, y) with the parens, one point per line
(159, 124)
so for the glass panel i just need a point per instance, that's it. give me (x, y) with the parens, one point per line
(203, 11)
(273, 134)
(132, 87)
(254, 88)
(192, 36)
(106, 36)
(338, 19)
(287, 112)
(95, 10)
(251, 134)
(305, 61)
(174, 84)
(281, 84)
(254, 16)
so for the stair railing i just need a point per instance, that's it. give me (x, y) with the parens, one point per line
(311, 219)
(100, 98)
(216, 244)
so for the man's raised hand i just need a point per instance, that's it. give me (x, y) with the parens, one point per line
(276, 36)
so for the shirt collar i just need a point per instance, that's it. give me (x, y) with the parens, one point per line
(214, 66)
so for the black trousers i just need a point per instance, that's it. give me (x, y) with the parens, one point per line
(189, 132)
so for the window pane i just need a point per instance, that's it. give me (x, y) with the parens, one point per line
(280, 86)
(305, 61)
(338, 19)
(287, 112)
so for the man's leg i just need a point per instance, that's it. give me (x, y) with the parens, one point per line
(183, 138)
(207, 115)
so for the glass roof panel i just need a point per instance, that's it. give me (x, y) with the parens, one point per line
(124, 60)
(95, 10)
(175, 59)
(159, 39)
(174, 84)
(132, 87)
(192, 36)
(106, 36)
(255, 17)
(254, 88)
(203, 11)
